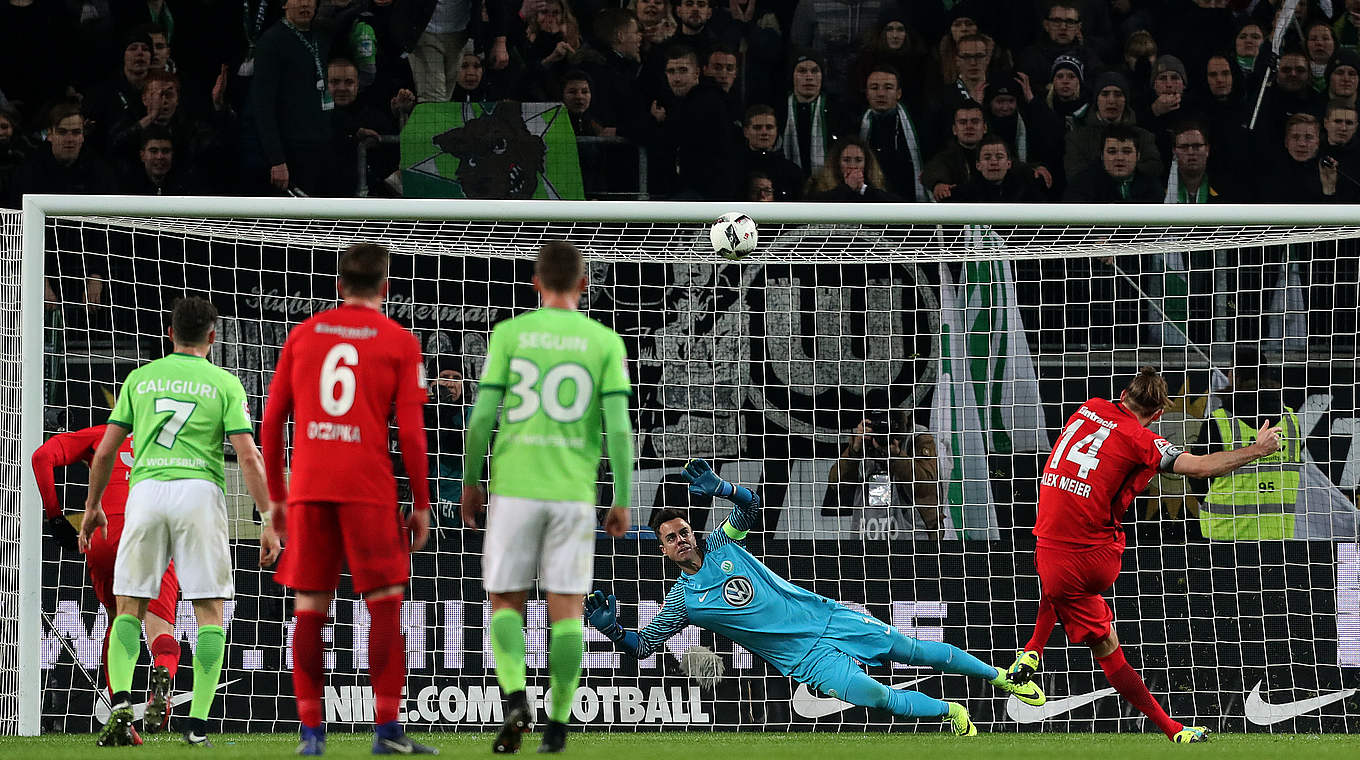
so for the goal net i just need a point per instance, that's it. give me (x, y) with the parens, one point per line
(965, 340)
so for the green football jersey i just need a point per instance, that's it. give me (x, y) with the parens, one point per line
(555, 366)
(179, 409)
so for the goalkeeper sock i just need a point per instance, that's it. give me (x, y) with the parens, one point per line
(945, 658)
(165, 651)
(212, 644)
(125, 646)
(1130, 686)
(866, 692)
(564, 666)
(307, 675)
(507, 642)
(386, 657)
(1043, 627)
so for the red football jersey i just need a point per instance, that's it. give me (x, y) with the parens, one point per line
(65, 449)
(1102, 460)
(341, 374)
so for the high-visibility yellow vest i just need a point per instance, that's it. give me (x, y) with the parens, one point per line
(1256, 501)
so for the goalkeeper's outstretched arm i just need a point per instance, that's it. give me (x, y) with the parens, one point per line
(603, 613)
(703, 481)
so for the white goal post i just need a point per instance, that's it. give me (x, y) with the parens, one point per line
(1062, 248)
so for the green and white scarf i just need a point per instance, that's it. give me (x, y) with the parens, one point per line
(913, 146)
(820, 137)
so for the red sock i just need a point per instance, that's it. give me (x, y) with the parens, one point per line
(307, 666)
(165, 651)
(1043, 626)
(1130, 685)
(386, 656)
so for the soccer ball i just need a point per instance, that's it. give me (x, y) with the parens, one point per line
(733, 235)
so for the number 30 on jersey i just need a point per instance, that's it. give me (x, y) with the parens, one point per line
(548, 396)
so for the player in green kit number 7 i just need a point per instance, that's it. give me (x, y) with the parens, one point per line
(559, 373)
(178, 409)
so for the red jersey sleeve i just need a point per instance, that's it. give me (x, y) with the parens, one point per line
(62, 450)
(276, 412)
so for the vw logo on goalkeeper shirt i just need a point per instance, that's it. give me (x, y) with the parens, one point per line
(738, 591)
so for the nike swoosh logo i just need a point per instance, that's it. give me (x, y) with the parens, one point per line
(809, 705)
(101, 708)
(1263, 713)
(703, 597)
(1023, 713)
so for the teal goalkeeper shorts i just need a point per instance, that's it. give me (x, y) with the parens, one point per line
(851, 641)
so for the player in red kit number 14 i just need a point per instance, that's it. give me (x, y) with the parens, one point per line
(1104, 458)
(340, 376)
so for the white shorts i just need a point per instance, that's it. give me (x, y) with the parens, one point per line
(181, 519)
(554, 540)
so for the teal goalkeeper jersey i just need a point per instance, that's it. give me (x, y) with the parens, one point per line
(179, 408)
(736, 595)
(555, 366)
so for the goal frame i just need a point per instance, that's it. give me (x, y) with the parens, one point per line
(37, 209)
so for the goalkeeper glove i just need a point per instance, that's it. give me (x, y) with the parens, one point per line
(603, 613)
(63, 533)
(703, 481)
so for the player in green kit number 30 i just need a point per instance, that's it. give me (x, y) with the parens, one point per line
(178, 408)
(562, 376)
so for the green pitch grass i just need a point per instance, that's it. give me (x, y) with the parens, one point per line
(746, 746)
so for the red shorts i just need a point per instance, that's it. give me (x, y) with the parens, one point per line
(1073, 581)
(100, 558)
(369, 538)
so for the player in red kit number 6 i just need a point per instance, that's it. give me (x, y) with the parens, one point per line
(1104, 458)
(340, 375)
(66, 449)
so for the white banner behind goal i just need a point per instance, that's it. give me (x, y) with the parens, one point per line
(971, 343)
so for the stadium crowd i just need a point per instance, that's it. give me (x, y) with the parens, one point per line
(850, 100)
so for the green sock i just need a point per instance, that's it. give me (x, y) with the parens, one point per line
(212, 643)
(507, 642)
(1000, 678)
(564, 666)
(125, 647)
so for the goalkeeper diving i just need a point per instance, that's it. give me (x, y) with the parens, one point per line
(809, 638)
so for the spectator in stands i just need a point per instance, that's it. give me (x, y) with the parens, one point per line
(657, 22)
(436, 50)
(1115, 176)
(759, 188)
(691, 148)
(947, 51)
(1066, 96)
(808, 128)
(1291, 94)
(155, 172)
(1298, 175)
(1247, 42)
(614, 73)
(834, 29)
(972, 60)
(290, 105)
(997, 179)
(895, 44)
(1347, 26)
(472, 84)
(1320, 46)
(1189, 181)
(552, 37)
(851, 173)
(63, 164)
(1338, 128)
(696, 28)
(1169, 103)
(1024, 121)
(576, 96)
(446, 416)
(38, 57)
(720, 66)
(1062, 35)
(197, 142)
(761, 130)
(14, 147)
(1343, 76)
(353, 121)
(889, 130)
(108, 103)
(1085, 149)
(1140, 55)
(887, 473)
(160, 52)
(954, 164)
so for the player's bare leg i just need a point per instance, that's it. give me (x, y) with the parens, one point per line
(165, 653)
(507, 642)
(209, 652)
(387, 672)
(1130, 686)
(125, 646)
(310, 608)
(564, 666)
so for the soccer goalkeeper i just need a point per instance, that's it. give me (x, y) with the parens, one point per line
(809, 638)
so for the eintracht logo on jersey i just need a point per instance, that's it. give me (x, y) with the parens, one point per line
(738, 591)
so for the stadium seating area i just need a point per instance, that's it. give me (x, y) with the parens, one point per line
(944, 100)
